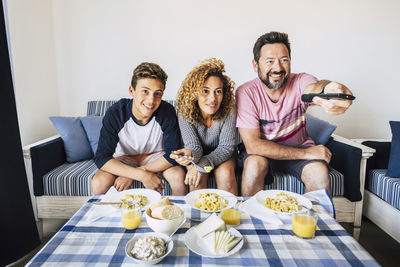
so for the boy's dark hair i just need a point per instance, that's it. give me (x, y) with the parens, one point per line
(270, 38)
(148, 70)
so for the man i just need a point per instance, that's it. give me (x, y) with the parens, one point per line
(271, 119)
(138, 136)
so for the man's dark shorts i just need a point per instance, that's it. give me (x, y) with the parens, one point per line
(292, 167)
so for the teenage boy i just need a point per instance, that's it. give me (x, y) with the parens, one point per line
(137, 137)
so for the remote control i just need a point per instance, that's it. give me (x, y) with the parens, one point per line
(309, 97)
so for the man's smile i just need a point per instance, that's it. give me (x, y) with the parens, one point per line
(276, 74)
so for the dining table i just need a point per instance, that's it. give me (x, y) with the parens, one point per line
(85, 241)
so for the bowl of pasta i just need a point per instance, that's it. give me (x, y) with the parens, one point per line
(283, 202)
(210, 200)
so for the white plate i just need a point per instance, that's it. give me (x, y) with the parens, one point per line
(302, 201)
(152, 196)
(198, 246)
(194, 195)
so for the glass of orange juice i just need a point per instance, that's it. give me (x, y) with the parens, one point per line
(231, 216)
(305, 224)
(131, 218)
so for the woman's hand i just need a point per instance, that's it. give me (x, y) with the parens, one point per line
(193, 176)
(182, 156)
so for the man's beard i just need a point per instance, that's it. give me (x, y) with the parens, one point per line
(269, 84)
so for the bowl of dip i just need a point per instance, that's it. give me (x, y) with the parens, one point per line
(149, 248)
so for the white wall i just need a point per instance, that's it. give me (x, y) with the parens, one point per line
(99, 42)
(33, 55)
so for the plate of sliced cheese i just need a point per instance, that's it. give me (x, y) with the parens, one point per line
(282, 202)
(210, 200)
(213, 239)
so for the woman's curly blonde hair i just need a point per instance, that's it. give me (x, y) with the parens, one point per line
(187, 100)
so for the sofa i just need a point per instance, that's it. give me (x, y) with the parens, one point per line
(382, 189)
(60, 188)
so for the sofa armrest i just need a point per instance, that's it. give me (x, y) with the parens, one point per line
(349, 158)
(41, 157)
(380, 159)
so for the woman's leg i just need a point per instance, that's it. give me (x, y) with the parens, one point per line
(225, 177)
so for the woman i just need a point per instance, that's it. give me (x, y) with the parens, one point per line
(207, 122)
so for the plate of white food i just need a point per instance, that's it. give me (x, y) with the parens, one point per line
(213, 239)
(149, 248)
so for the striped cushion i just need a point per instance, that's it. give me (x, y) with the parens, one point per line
(74, 179)
(99, 108)
(70, 179)
(387, 188)
(290, 183)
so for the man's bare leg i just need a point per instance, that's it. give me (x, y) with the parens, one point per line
(254, 171)
(315, 177)
(175, 177)
(226, 178)
(102, 181)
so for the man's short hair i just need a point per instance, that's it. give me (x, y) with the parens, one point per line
(270, 38)
(148, 70)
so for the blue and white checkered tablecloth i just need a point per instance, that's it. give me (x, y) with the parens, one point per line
(81, 242)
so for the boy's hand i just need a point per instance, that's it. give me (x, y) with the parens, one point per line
(151, 181)
(122, 183)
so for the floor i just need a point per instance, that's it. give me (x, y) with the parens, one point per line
(381, 246)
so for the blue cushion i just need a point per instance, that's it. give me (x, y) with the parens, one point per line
(92, 126)
(394, 158)
(76, 143)
(387, 188)
(319, 130)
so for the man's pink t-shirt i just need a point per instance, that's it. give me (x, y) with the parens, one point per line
(283, 122)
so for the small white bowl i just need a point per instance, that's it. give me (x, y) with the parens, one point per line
(129, 246)
(167, 227)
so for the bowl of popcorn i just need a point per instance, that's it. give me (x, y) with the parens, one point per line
(164, 217)
(149, 248)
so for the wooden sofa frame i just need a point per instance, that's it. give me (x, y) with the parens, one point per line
(381, 213)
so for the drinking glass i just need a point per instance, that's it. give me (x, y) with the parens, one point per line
(304, 224)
